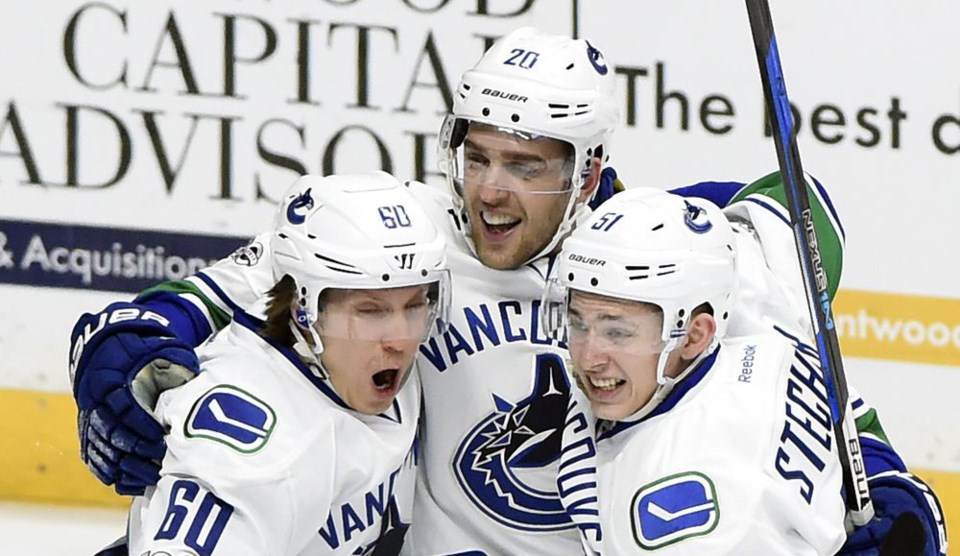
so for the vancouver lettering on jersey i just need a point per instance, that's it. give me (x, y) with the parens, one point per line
(488, 325)
(359, 513)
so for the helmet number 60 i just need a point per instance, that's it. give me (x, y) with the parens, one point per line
(394, 217)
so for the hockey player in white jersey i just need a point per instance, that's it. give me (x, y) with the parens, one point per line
(678, 439)
(523, 151)
(298, 436)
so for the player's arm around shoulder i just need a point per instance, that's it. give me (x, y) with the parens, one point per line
(762, 204)
(122, 358)
(243, 474)
(237, 281)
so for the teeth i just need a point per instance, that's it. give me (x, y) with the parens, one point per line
(605, 383)
(498, 219)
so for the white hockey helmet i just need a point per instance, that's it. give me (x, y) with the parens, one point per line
(363, 231)
(535, 85)
(654, 247)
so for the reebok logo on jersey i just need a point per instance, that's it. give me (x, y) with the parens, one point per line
(231, 416)
(674, 508)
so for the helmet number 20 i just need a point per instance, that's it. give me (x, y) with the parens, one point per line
(394, 217)
(523, 58)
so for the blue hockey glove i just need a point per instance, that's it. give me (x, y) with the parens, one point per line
(908, 520)
(608, 187)
(120, 361)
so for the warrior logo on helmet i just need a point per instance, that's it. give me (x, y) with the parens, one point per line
(491, 460)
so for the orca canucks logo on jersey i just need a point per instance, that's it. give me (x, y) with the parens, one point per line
(489, 462)
(231, 416)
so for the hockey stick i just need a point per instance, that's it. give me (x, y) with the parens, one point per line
(859, 505)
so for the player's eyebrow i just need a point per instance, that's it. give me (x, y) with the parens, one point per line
(602, 317)
(513, 156)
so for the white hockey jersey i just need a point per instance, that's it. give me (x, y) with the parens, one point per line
(495, 390)
(739, 459)
(264, 458)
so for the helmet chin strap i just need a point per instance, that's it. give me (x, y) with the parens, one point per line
(573, 212)
(665, 383)
(310, 354)
(308, 351)
(574, 209)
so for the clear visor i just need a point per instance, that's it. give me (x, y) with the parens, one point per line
(410, 313)
(601, 323)
(478, 154)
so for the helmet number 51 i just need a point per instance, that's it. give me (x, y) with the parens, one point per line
(605, 222)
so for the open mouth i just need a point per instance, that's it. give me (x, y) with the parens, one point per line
(386, 380)
(498, 223)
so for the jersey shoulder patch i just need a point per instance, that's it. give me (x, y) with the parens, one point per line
(233, 417)
(674, 508)
(249, 254)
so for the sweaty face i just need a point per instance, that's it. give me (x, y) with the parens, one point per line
(370, 338)
(614, 345)
(516, 191)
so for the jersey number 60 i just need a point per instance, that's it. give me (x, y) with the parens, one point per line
(178, 512)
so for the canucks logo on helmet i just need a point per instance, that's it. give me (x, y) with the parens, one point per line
(696, 218)
(302, 201)
(491, 460)
(596, 58)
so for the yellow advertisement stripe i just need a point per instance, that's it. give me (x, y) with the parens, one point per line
(40, 459)
(900, 327)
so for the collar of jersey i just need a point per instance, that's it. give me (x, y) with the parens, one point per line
(254, 324)
(672, 399)
(544, 265)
